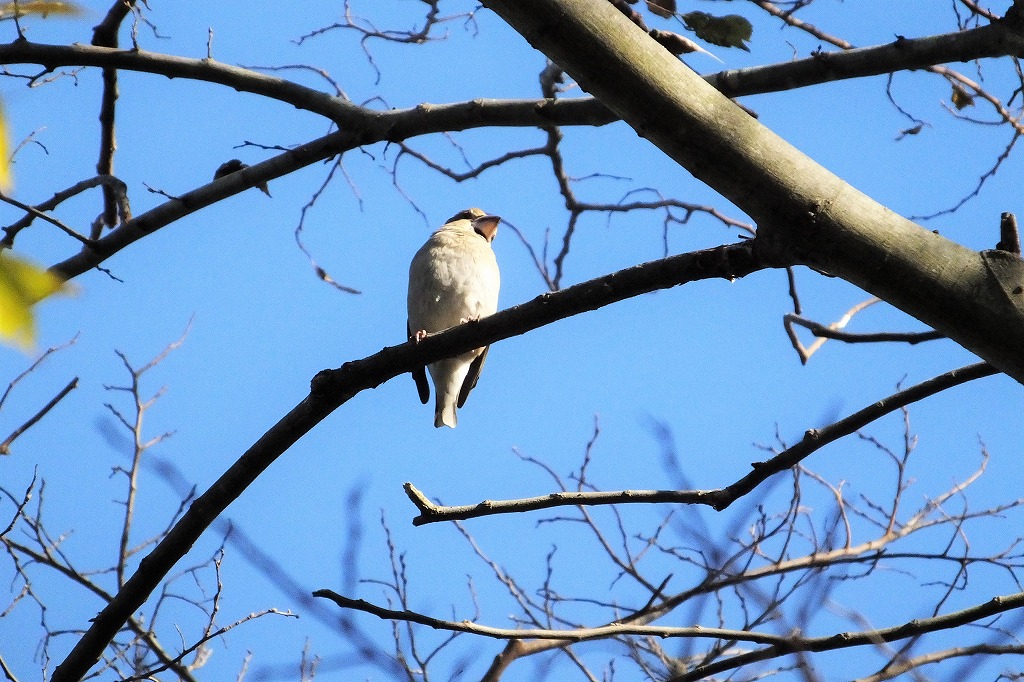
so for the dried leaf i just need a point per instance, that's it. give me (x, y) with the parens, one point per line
(728, 31)
(961, 98)
(663, 8)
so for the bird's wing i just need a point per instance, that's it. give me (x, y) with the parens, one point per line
(419, 375)
(472, 376)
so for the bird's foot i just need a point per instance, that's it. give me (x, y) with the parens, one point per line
(419, 336)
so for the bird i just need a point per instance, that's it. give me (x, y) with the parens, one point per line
(453, 278)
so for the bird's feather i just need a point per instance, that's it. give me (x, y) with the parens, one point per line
(419, 375)
(473, 376)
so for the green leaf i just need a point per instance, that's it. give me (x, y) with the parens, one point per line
(44, 9)
(728, 31)
(22, 285)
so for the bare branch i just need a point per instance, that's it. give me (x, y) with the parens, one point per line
(719, 499)
(5, 446)
(206, 638)
(105, 35)
(835, 331)
(31, 210)
(779, 645)
(914, 628)
(117, 188)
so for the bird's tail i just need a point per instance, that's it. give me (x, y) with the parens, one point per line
(448, 377)
(444, 415)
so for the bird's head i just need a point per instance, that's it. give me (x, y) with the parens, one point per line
(483, 224)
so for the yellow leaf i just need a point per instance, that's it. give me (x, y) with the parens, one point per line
(22, 285)
(40, 7)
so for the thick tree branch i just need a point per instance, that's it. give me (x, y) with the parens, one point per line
(332, 388)
(905, 54)
(803, 211)
(813, 440)
(365, 126)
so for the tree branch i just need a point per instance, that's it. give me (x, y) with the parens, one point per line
(362, 126)
(804, 213)
(105, 35)
(719, 499)
(332, 388)
(780, 645)
(995, 40)
(844, 640)
(5, 446)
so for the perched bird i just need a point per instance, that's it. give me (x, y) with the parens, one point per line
(453, 278)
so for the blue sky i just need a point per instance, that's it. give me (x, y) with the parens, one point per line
(711, 361)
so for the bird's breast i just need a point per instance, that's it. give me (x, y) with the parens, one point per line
(452, 280)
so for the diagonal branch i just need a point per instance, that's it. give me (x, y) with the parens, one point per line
(844, 640)
(5, 446)
(813, 440)
(802, 211)
(332, 388)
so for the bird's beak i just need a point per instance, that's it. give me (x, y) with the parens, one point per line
(486, 226)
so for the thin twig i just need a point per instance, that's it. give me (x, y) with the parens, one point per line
(5, 447)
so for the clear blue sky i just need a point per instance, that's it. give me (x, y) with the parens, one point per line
(709, 361)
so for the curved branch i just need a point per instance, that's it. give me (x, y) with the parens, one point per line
(844, 640)
(105, 35)
(904, 54)
(998, 39)
(51, 57)
(780, 644)
(813, 440)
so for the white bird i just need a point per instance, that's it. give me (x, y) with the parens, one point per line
(453, 278)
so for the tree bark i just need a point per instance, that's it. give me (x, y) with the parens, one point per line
(803, 211)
